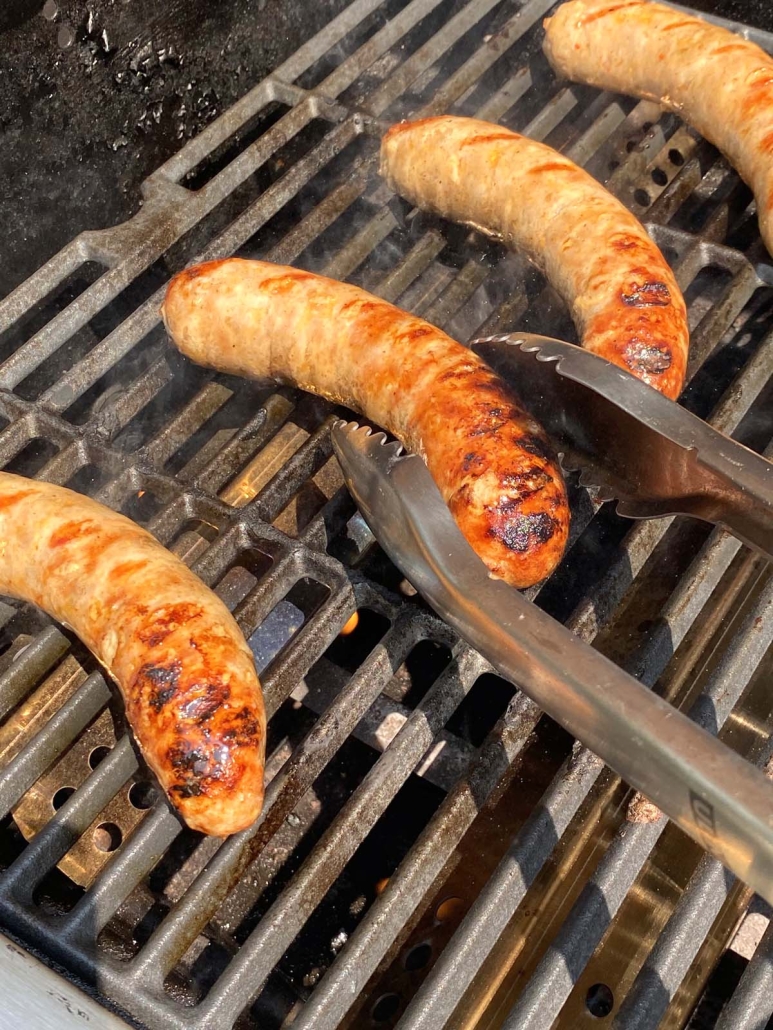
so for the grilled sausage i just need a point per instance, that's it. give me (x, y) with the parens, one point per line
(186, 675)
(622, 295)
(716, 81)
(491, 461)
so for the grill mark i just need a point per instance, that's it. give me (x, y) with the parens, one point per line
(533, 444)
(69, 531)
(161, 683)
(202, 709)
(552, 166)
(654, 294)
(595, 15)
(647, 357)
(489, 137)
(522, 531)
(166, 621)
(10, 499)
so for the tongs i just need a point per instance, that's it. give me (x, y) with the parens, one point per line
(633, 444)
(719, 799)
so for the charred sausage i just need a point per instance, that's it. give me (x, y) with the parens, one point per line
(491, 461)
(186, 675)
(621, 292)
(716, 81)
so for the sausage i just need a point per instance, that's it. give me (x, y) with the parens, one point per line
(716, 81)
(621, 292)
(492, 462)
(185, 673)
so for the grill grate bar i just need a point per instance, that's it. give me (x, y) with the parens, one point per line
(199, 903)
(30, 666)
(450, 33)
(675, 949)
(535, 841)
(281, 923)
(346, 73)
(499, 900)
(69, 823)
(751, 1005)
(326, 39)
(467, 76)
(57, 734)
(573, 946)
(118, 879)
(426, 859)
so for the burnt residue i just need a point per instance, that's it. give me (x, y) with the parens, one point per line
(647, 358)
(192, 769)
(537, 446)
(244, 729)
(647, 295)
(527, 482)
(159, 684)
(521, 532)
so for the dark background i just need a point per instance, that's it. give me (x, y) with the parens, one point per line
(95, 94)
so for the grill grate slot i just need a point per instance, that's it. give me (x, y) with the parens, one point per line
(393, 751)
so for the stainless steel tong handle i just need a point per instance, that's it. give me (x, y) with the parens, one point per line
(719, 799)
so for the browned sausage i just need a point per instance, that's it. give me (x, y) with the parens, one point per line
(716, 81)
(186, 675)
(622, 295)
(491, 461)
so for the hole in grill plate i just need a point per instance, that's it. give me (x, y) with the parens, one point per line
(107, 837)
(141, 505)
(142, 794)
(237, 583)
(675, 157)
(599, 1000)
(659, 177)
(641, 197)
(285, 619)
(89, 479)
(418, 956)
(62, 795)
(450, 910)
(99, 754)
(385, 1008)
(193, 539)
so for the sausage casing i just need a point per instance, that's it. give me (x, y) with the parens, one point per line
(716, 81)
(492, 462)
(622, 294)
(186, 675)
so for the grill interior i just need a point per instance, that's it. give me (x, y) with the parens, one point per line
(410, 788)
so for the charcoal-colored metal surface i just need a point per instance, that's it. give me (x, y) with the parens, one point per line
(302, 916)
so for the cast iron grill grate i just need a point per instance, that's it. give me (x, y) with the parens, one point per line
(402, 770)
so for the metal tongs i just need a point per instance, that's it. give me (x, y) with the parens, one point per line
(632, 443)
(721, 800)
